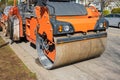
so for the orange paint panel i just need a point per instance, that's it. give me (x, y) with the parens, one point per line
(33, 25)
(44, 22)
(92, 12)
(82, 24)
(51, 55)
(27, 27)
(30, 30)
(45, 26)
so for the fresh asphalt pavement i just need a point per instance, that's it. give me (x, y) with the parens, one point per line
(105, 67)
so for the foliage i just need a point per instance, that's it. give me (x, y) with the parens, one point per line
(4, 3)
(7, 2)
(10, 2)
(115, 10)
(106, 12)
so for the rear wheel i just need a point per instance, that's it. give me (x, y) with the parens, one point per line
(10, 29)
(0, 28)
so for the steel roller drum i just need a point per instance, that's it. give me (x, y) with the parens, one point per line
(71, 52)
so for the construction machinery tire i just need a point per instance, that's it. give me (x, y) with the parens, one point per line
(71, 52)
(0, 28)
(10, 28)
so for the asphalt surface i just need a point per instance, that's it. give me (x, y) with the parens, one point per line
(105, 67)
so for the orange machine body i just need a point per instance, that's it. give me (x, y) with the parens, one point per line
(43, 21)
(42, 24)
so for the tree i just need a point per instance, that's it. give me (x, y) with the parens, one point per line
(2, 5)
(106, 12)
(115, 10)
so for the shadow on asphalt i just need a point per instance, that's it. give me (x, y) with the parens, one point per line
(114, 27)
(38, 62)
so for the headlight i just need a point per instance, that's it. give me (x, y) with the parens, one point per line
(66, 28)
(62, 28)
(101, 25)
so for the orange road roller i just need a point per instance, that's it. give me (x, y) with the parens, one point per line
(63, 32)
(4, 20)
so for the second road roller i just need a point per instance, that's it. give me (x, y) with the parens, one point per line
(64, 32)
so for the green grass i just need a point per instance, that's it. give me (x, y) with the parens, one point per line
(11, 67)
